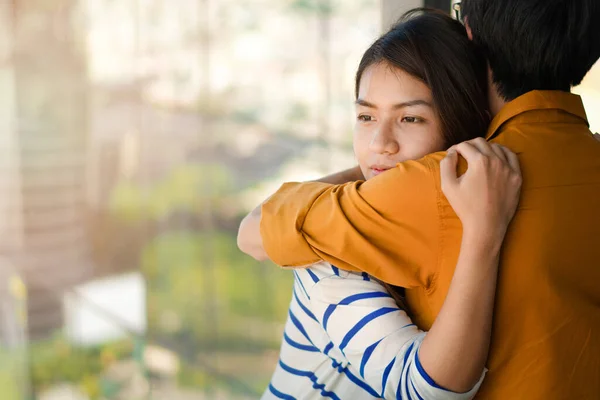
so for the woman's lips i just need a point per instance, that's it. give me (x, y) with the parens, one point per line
(379, 170)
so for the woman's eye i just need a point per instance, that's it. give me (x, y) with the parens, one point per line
(411, 120)
(365, 118)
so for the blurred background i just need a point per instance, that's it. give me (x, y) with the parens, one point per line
(134, 136)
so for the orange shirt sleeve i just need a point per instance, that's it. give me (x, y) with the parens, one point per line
(388, 226)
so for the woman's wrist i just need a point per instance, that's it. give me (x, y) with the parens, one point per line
(487, 239)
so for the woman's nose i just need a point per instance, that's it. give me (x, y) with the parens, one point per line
(384, 141)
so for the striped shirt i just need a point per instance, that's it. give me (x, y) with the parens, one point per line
(346, 338)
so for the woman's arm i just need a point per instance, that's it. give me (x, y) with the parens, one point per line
(375, 335)
(249, 239)
(455, 350)
(485, 199)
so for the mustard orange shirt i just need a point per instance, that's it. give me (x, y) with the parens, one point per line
(400, 228)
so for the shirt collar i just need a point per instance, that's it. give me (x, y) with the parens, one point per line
(535, 101)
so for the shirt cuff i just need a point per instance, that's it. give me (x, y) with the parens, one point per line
(282, 217)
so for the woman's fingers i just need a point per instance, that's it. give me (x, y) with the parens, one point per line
(497, 149)
(486, 196)
(468, 151)
(448, 169)
(513, 160)
(480, 149)
(483, 146)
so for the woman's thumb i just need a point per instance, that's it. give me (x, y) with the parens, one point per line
(448, 168)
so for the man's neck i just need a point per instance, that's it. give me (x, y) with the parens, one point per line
(496, 101)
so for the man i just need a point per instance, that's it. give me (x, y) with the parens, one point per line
(400, 228)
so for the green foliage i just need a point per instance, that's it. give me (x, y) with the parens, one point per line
(12, 366)
(191, 376)
(196, 279)
(205, 299)
(185, 188)
(56, 361)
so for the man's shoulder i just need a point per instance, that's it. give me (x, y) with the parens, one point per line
(420, 171)
(423, 173)
(426, 164)
(412, 185)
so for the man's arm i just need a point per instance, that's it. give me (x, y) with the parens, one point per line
(389, 226)
(348, 175)
(249, 239)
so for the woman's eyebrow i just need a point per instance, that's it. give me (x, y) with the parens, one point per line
(410, 103)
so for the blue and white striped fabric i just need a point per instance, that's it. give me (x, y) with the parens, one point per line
(345, 338)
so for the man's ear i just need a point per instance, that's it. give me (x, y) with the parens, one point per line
(468, 28)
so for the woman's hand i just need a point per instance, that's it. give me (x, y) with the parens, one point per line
(485, 198)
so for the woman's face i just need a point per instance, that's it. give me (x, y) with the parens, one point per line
(395, 120)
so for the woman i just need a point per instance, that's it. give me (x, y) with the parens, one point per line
(419, 89)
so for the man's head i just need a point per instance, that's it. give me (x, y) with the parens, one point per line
(535, 44)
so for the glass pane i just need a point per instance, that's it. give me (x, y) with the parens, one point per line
(136, 134)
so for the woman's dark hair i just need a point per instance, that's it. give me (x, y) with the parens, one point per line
(535, 44)
(434, 48)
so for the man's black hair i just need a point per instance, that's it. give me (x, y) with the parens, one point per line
(535, 44)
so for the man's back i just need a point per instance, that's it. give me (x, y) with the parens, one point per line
(400, 228)
(546, 338)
